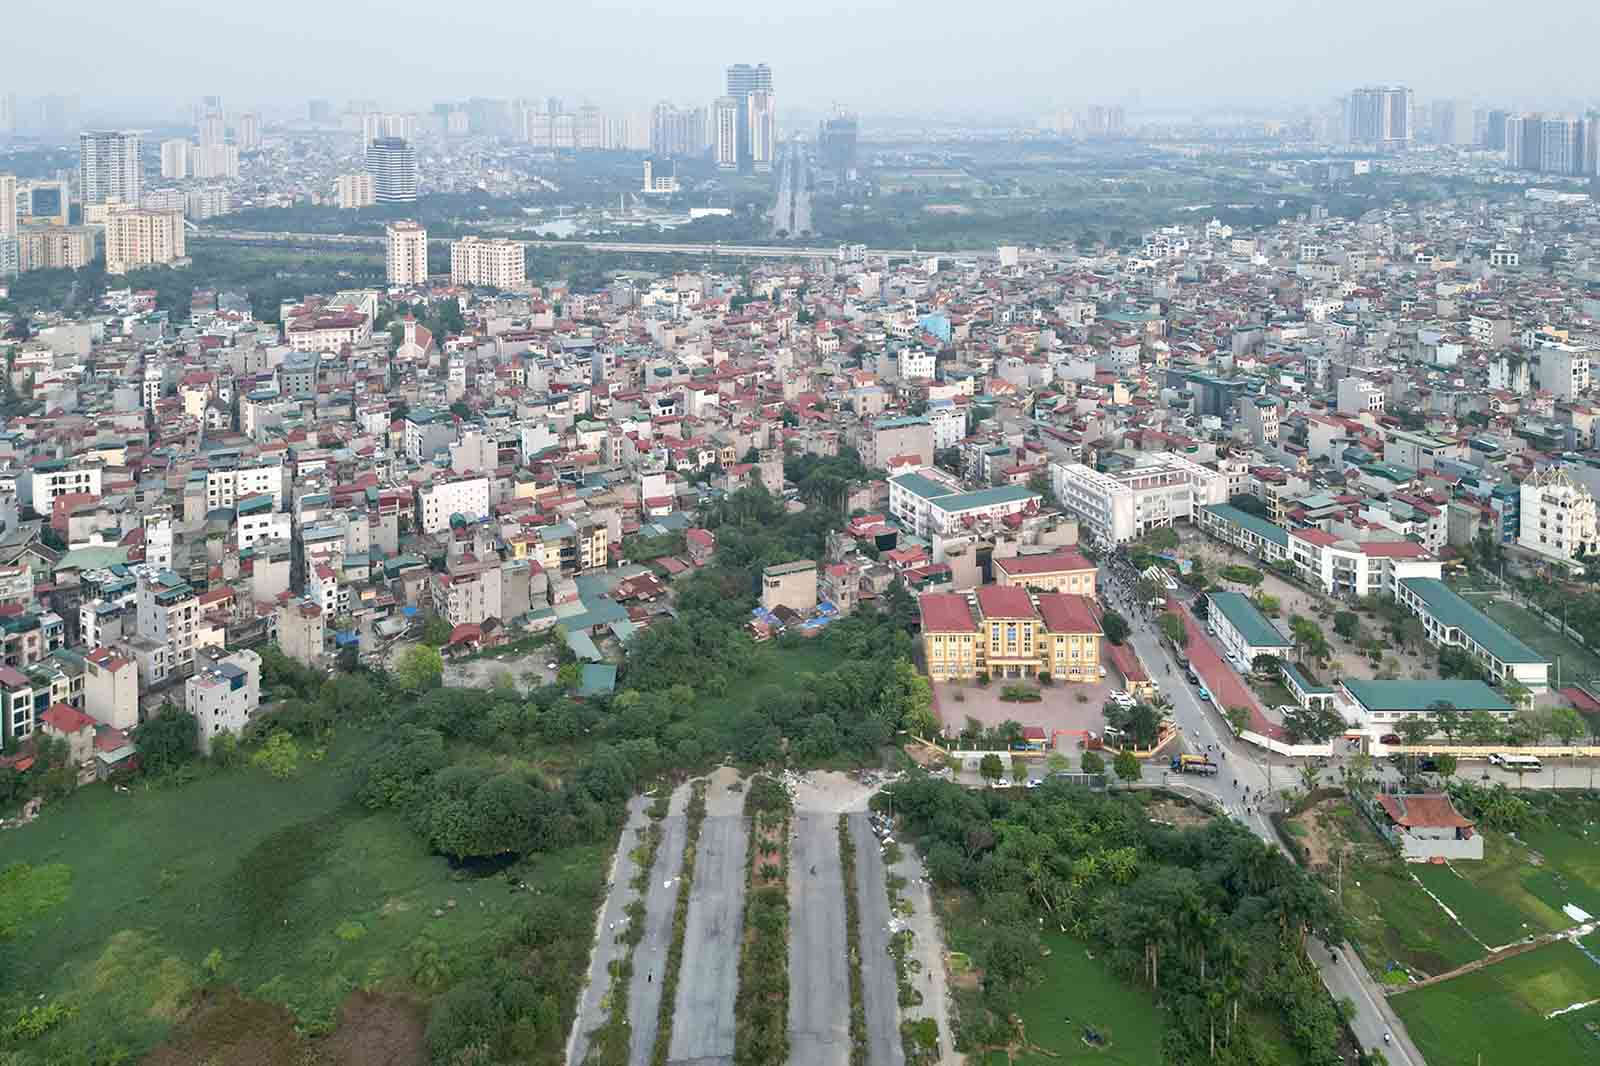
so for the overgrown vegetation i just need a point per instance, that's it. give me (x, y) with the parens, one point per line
(1210, 919)
(852, 939)
(761, 1009)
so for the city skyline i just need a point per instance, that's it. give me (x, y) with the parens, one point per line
(1249, 52)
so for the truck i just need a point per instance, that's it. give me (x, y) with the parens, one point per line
(1193, 764)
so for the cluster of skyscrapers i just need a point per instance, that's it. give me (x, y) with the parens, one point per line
(1098, 120)
(744, 121)
(1380, 117)
(213, 155)
(1388, 119)
(1551, 144)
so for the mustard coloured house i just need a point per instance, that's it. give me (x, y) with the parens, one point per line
(1060, 571)
(1008, 633)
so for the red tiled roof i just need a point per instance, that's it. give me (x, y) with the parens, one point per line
(66, 719)
(1581, 700)
(1067, 614)
(1431, 810)
(995, 601)
(1044, 564)
(945, 612)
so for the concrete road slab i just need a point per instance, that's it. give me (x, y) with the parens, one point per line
(650, 956)
(879, 991)
(613, 919)
(703, 1024)
(819, 974)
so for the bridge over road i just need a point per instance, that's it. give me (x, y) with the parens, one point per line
(763, 251)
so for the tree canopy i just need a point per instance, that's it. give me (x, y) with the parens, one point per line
(1211, 919)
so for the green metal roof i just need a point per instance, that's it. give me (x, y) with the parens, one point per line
(597, 679)
(1303, 683)
(1259, 526)
(1252, 625)
(927, 488)
(1452, 610)
(92, 558)
(966, 501)
(1420, 695)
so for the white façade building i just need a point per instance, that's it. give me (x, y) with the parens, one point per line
(1451, 621)
(1161, 490)
(1558, 516)
(436, 503)
(930, 502)
(1243, 631)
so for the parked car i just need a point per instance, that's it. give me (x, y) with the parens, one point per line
(1205, 693)
(1389, 738)
(1428, 765)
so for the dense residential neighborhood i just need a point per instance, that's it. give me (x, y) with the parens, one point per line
(1172, 643)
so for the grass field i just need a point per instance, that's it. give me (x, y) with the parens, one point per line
(1570, 872)
(1499, 1012)
(1078, 991)
(1501, 899)
(296, 894)
(1576, 660)
(776, 666)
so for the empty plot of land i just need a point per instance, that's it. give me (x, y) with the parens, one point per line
(650, 956)
(819, 977)
(880, 995)
(703, 1025)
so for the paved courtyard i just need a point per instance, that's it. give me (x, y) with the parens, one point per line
(1071, 706)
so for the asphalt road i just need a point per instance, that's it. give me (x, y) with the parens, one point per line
(650, 956)
(879, 991)
(613, 919)
(819, 977)
(1243, 763)
(702, 1023)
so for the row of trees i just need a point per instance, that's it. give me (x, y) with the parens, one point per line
(1212, 920)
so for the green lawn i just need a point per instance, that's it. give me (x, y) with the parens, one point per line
(1499, 1012)
(304, 894)
(1508, 897)
(1077, 991)
(1502, 899)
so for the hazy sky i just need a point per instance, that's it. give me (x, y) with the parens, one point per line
(872, 55)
